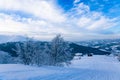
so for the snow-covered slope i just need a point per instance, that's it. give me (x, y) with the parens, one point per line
(87, 68)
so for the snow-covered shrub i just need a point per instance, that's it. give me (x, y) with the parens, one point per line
(5, 58)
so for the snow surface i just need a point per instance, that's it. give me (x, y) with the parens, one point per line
(87, 68)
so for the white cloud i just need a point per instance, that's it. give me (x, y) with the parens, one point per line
(27, 26)
(8, 24)
(102, 23)
(48, 20)
(43, 9)
(76, 1)
(79, 9)
(91, 20)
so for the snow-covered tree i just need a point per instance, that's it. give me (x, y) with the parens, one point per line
(47, 55)
(5, 58)
(26, 51)
(60, 51)
(38, 58)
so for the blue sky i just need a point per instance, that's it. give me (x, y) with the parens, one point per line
(75, 19)
(104, 6)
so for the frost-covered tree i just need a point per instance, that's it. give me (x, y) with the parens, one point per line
(47, 55)
(5, 58)
(38, 57)
(60, 51)
(26, 51)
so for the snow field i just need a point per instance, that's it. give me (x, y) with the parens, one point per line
(87, 68)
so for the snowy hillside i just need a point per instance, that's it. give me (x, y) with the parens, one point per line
(109, 45)
(87, 68)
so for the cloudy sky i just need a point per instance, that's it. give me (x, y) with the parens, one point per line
(74, 19)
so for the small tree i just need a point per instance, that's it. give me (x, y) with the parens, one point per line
(47, 55)
(38, 57)
(60, 51)
(25, 51)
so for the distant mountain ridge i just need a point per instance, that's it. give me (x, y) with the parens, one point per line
(11, 38)
(110, 45)
(10, 46)
(86, 50)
